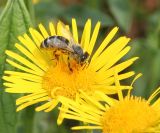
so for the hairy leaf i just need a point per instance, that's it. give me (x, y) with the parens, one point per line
(14, 21)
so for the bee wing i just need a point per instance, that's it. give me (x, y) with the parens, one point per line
(65, 32)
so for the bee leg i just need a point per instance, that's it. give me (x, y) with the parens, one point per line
(84, 65)
(53, 55)
(56, 56)
(69, 65)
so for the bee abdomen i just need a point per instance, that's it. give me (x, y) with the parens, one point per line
(47, 43)
(61, 38)
(44, 44)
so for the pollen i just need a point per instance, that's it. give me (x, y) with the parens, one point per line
(129, 115)
(62, 80)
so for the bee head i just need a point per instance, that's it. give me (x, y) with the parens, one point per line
(84, 56)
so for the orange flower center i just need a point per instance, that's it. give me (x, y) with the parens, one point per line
(130, 115)
(65, 79)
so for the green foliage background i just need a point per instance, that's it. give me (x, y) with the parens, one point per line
(139, 20)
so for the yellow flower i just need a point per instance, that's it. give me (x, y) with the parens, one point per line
(43, 78)
(128, 114)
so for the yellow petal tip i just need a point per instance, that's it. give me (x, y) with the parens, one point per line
(30, 29)
(37, 109)
(6, 51)
(19, 37)
(18, 109)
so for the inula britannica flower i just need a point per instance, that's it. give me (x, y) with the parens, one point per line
(43, 77)
(125, 114)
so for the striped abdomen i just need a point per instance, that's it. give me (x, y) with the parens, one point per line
(55, 42)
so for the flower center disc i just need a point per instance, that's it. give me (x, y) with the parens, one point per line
(59, 80)
(128, 116)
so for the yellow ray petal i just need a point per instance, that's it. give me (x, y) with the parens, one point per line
(30, 45)
(133, 81)
(23, 90)
(91, 116)
(66, 110)
(63, 30)
(31, 86)
(117, 84)
(80, 119)
(26, 41)
(44, 106)
(52, 29)
(19, 80)
(75, 106)
(16, 81)
(90, 108)
(24, 61)
(107, 99)
(156, 104)
(30, 95)
(86, 34)
(93, 38)
(42, 55)
(43, 31)
(105, 43)
(60, 116)
(116, 58)
(67, 27)
(24, 76)
(74, 30)
(37, 37)
(30, 56)
(135, 78)
(120, 67)
(31, 103)
(31, 98)
(111, 89)
(154, 94)
(54, 104)
(83, 114)
(126, 75)
(111, 51)
(59, 28)
(86, 127)
(93, 101)
(21, 67)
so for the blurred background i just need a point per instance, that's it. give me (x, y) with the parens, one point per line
(137, 19)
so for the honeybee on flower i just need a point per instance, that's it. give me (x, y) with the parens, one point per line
(68, 66)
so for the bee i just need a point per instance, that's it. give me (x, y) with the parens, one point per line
(66, 46)
(56, 43)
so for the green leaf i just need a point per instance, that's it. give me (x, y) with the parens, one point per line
(122, 11)
(30, 8)
(14, 20)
